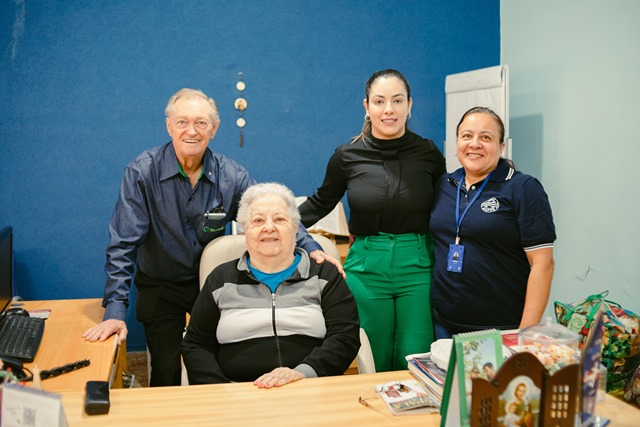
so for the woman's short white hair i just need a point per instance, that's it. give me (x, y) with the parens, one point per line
(258, 191)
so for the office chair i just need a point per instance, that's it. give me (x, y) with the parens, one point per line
(366, 365)
(219, 251)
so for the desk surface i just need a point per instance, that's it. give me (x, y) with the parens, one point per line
(329, 401)
(62, 343)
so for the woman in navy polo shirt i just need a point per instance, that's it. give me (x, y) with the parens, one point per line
(494, 234)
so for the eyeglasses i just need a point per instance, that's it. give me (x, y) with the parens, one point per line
(370, 394)
(183, 124)
(54, 372)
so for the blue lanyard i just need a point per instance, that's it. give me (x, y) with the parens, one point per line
(459, 217)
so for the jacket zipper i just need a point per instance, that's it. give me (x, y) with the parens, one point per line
(275, 332)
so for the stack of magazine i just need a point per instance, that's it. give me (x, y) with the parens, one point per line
(427, 371)
(407, 397)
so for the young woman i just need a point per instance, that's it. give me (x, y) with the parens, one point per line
(388, 173)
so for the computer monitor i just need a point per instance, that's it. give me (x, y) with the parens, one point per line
(6, 267)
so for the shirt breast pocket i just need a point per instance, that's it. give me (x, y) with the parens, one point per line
(210, 227)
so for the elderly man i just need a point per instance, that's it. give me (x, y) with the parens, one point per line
(174, 199)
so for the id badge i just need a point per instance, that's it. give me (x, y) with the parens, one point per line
(455, 258)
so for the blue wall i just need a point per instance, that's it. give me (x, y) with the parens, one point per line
(84, 85)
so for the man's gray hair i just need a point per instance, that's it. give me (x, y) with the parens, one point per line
(267, 189)
(192, 93)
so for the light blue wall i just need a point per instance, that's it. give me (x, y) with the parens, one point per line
(84, 84)
(575, 113)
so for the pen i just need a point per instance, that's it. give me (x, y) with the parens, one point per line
(214, 215)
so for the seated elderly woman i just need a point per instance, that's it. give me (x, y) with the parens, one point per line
(273, 316)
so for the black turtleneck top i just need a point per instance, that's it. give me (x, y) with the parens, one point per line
(389, 185)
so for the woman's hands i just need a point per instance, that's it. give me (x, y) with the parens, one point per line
(278, 377)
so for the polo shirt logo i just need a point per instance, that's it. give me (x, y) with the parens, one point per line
(490, 206)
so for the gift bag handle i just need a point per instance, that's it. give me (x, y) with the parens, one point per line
(591, 298)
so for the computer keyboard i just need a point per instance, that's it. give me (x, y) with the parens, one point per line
(20, 336)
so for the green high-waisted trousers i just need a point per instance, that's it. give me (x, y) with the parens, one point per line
(390, 278)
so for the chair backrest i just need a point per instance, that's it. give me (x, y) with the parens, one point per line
(218, 251)
(229, 247)
(366, 365)
(327, 245)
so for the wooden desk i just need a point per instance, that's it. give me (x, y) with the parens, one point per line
(328, 401)
(62, 343)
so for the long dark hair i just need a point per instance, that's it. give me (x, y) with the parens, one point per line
(390, 72)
